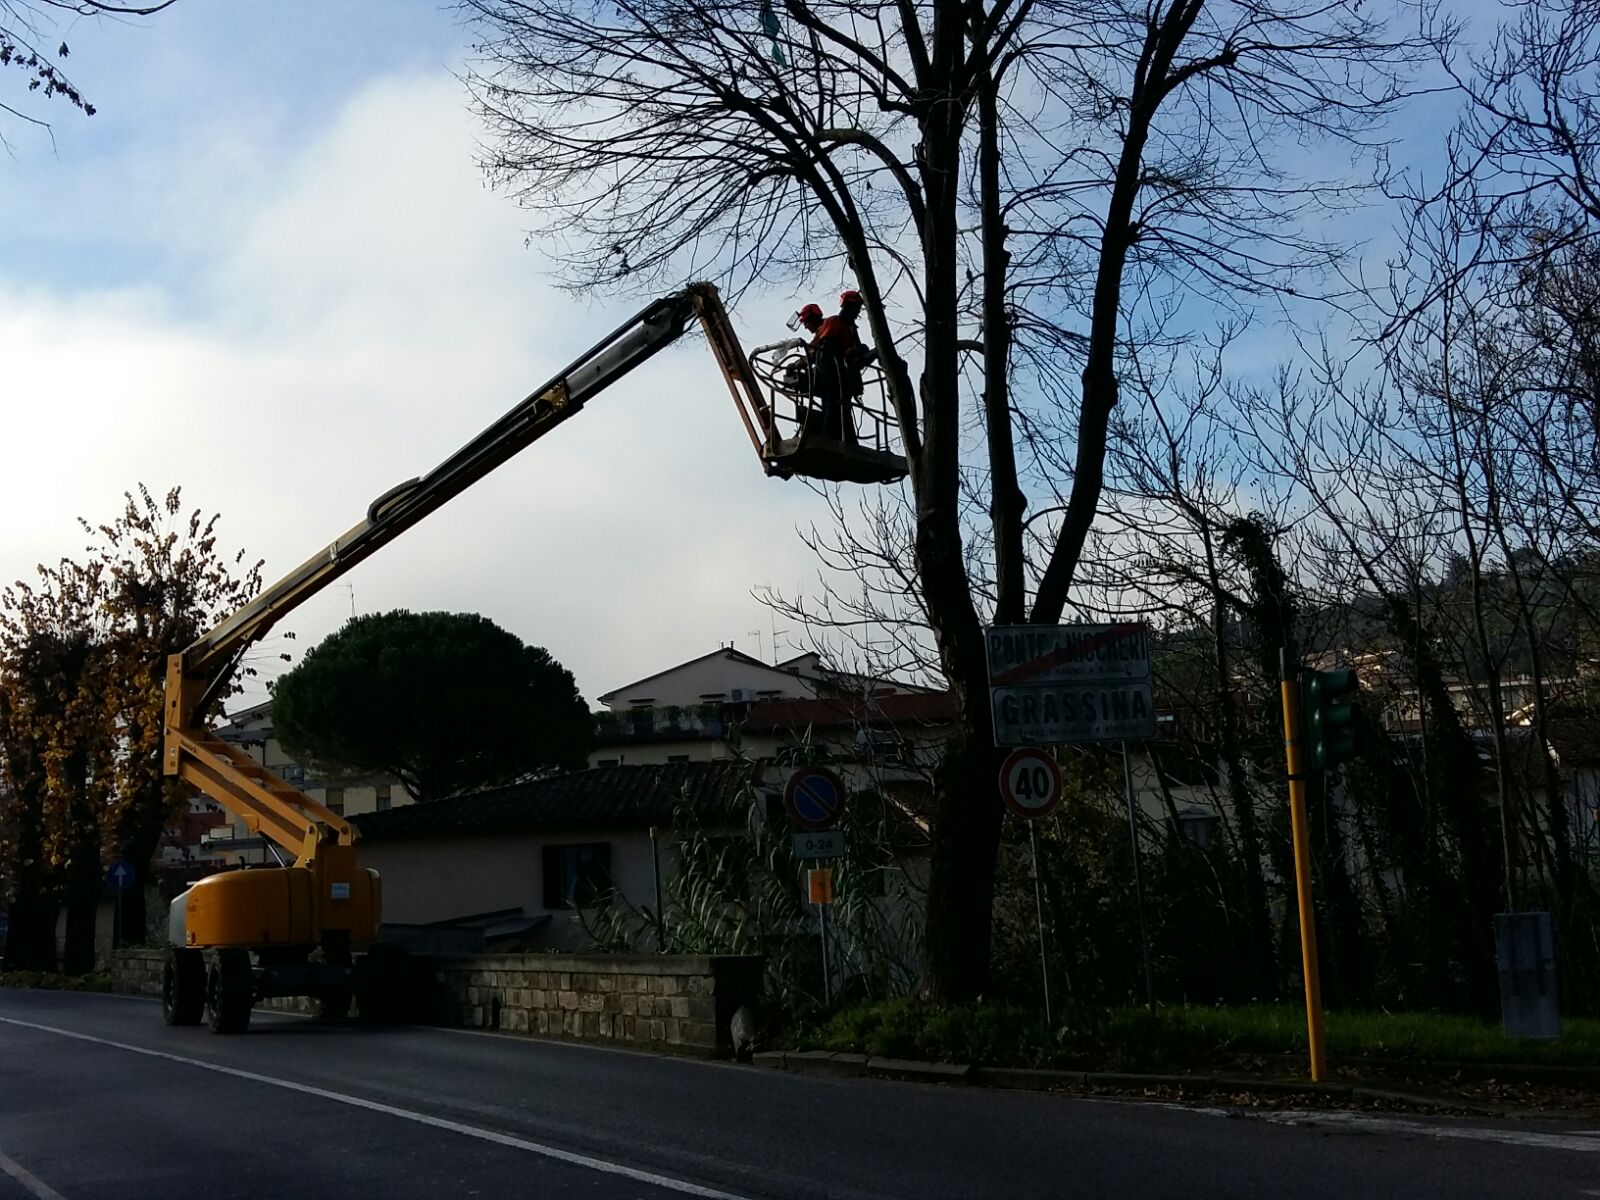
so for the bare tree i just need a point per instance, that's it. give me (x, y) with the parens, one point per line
(29, 44)
(1008, 182)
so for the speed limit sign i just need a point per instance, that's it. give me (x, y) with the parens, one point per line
(1030, 781)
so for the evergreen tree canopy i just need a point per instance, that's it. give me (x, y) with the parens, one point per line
(445, 702)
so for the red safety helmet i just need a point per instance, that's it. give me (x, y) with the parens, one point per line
(851, 297)
(810, 312)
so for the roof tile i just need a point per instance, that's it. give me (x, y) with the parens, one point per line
(599, 797)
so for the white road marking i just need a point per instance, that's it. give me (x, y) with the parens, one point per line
(1585, 1141)
(486, 1135)
(38, 1187)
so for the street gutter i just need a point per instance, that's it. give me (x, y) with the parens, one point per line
(860, 1066)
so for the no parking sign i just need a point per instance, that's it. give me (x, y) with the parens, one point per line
(814, 797)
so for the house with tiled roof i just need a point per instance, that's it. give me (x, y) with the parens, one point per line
(726, 704)
(527, 854)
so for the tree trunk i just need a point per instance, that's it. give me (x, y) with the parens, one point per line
(966, 845)
(966, 835)
(33, 904)
(83, 910)
(138, 851)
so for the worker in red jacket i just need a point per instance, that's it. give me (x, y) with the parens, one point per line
(837, 357)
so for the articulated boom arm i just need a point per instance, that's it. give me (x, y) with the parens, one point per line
(196, 677)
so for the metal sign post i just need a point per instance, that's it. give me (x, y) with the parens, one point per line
(1038, 908)
(1050, 684)
(120, 877)
(1030, 784)
(1138, 883)
(819, 881)
(661, 912)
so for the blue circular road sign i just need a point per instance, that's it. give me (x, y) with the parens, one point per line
(814, 797)
(120, 875)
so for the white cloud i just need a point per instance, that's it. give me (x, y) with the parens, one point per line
(377, 310)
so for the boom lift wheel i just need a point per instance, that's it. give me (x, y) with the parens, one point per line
(183, 987)
(230, 990)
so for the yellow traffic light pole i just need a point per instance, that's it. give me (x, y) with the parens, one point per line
(1293, 747)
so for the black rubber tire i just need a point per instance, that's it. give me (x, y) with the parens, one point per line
(183, 987)
(230, 991)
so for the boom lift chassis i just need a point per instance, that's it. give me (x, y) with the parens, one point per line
(240, 936)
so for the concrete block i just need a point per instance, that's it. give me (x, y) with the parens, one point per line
(646, 1006)
(564, 981)
(605, 983)
(925, 1072)
(680, 1006)
(536, 998)
(826, 1062)
(569, 1001)
(630, 1004)
(541, 1021)
(591, 1002)
(1027, 1078)
(640, 983)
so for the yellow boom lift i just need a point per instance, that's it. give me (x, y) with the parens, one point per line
(295, 929)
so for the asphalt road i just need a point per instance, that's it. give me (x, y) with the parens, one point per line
(99, 1099)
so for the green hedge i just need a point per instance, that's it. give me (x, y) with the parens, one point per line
(55, 982)
(1131, 1038)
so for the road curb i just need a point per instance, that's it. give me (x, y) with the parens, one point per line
(860, 1066)
(1031, 1079)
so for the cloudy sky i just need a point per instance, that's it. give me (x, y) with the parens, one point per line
(269, 271)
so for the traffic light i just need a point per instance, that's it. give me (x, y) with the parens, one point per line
(1329, 715)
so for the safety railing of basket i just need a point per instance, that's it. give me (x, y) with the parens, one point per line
(785, 368)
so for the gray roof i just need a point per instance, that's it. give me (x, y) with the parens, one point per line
(625, 796)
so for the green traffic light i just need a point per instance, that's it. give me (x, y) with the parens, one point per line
(1329, 717)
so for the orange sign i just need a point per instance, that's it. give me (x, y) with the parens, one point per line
(820, 881)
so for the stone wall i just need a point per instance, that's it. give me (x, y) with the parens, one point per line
(677, 1002)
(137, 972)
(674, 1002)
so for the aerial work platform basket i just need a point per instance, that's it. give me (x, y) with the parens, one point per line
(801, 421)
